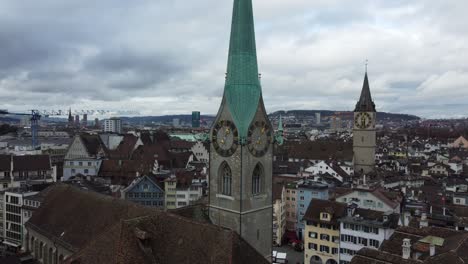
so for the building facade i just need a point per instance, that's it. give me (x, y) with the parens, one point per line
(145, 191)
(364, 228)
(113, 125)
(279, 213)
(83, 156)
(170, 193)
(241, 149)
(376, 199)
(306, 192)
(14, 217)
(200, 150)
(291, 206)
(322, 240)
(364, 133)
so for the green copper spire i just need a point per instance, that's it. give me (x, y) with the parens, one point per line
(280, 124)
(279, 133)
(242, 89)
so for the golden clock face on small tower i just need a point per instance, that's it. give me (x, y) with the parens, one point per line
(225, 138)
(259, 138)
(363, 120)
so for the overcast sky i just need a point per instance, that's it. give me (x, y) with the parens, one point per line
(169, 57)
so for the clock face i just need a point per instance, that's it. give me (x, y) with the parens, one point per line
(259, 138)
(363, 120)
(225, 138)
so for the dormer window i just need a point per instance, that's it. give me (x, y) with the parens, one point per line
(325, 216)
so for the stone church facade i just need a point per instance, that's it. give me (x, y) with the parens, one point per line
(241, 149)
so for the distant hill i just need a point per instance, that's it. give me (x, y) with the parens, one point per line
(163, 119)
(298, 113)
(349, 114)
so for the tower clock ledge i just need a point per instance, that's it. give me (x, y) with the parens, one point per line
(260, 196)
(227, 197)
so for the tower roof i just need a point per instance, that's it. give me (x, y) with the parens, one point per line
(365, 103)
(242, 89)
(280, 124)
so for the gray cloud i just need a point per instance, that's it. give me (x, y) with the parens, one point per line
(162, 57)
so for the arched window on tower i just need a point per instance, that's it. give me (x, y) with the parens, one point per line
(226, 179)
(257, 179)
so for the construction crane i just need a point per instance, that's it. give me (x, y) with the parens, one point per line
(35, 117)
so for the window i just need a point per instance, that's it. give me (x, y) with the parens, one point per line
(362, 241)
(313, 246)
(73, 170)
(312, 235)
(80, 163)
(226, 176)
(334, 251)
(324, 237)
(457, 201)
(324, 216)
(145, 187)
(86, 171)
(257, 179)
(324, 249)
(374, 243)
(302, 198)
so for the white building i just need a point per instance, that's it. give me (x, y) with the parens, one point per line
(200, 151)
(113, 125)
(14, 217)
(188, 194)
(83, 157)
(374, 199)
(364, 228)
(335, 170)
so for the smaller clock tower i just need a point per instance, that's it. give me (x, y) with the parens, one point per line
(364, 134)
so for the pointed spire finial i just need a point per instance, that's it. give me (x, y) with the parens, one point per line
(367, 63)
(280, 123)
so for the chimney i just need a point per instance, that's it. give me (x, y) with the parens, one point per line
(423, 222)
(406, 248)
(432, 250)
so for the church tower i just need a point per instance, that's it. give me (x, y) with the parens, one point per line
(242, 143)
(364, 135)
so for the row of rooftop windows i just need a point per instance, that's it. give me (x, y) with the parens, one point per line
(325, 237)
(322, 225)
(360, 241)
(322, 248)
(363, 228)
(153, 203)
(79, 163)
(145, 195)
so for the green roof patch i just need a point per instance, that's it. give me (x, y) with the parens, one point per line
(437, 241)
